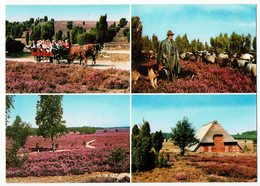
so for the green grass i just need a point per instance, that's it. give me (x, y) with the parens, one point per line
(18, 55)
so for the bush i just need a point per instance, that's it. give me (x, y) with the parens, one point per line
(13, 46)
(122, 22)
(161, 160)
(117, 156)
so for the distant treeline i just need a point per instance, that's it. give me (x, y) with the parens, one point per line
(41, 28)
(234, 43)
(81, 130)
(249, 135)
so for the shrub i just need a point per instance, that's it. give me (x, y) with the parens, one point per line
(117, 156)
(161, 160)
(13, 46)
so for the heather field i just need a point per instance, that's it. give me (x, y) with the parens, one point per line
(78, 158)
(28, 77)
(204, 168)
(199, 77)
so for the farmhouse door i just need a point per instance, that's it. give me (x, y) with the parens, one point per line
(218, 144)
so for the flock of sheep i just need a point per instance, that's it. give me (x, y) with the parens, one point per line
(246, 61)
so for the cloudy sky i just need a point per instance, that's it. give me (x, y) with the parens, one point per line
(236, 113)
(198, 21)
(67, 12)
(80, 110)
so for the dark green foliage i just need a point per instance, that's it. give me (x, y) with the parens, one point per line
(86, 130)
(13, 46)
(183, 134)
(45, 18)
(127, 33)
(167, 135)
(58, 35)
(27, 38)
(69, 25)
(101, 28)
(15, 29)
(36, 33)
(135, 130)
(47, 30)
(254, 44)
(68, 35)
(161, 160)
(111, 32)
(9, 100)
(49, 117)
(157, 140)
(18, 133)
(75, 32)
(122, 22)
(136, 31)
(117, 156)
(142, 156)
(249, 135)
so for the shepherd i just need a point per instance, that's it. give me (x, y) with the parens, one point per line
(169, 56)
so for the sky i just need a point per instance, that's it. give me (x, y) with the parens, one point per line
(198, 21)
(67, 12)
(236, 113)
(80, 110)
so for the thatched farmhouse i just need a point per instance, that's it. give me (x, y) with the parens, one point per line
(213, 138)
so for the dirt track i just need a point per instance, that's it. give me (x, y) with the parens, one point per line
(100, 64)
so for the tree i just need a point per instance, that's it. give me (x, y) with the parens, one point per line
(9, 100)
(47, 30)
(45, 18)
(13, 46)
(193, 46)
(36, 33)
(111, 32)
(127, 33)
(102, 27)
(142, 156)
(27, 38)
(68, 35)
(122, 22)
(136, 32)
(185, 43)
(254, 44)
(58, 35)
(183, 135)
(246, 44)
(178, 41)
(18, 133)
(155, 43)
(75, 32)
(135, 130)
(69, 25)
(157, 140)
(49, 117)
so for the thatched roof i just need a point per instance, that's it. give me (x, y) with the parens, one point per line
(206, 133)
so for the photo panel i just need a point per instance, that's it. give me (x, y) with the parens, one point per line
(194, 138)
(193, 48)
(67, 138)
(67, 48)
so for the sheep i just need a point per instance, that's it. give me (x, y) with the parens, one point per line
(241, 63)
(247, 57)
(253, 70)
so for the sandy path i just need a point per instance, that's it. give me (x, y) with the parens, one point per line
(67, 179)
(100, 64)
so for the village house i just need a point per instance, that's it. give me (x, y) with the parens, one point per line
(213, 138)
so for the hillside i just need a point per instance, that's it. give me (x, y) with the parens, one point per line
(246, 135)
(61, 25)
